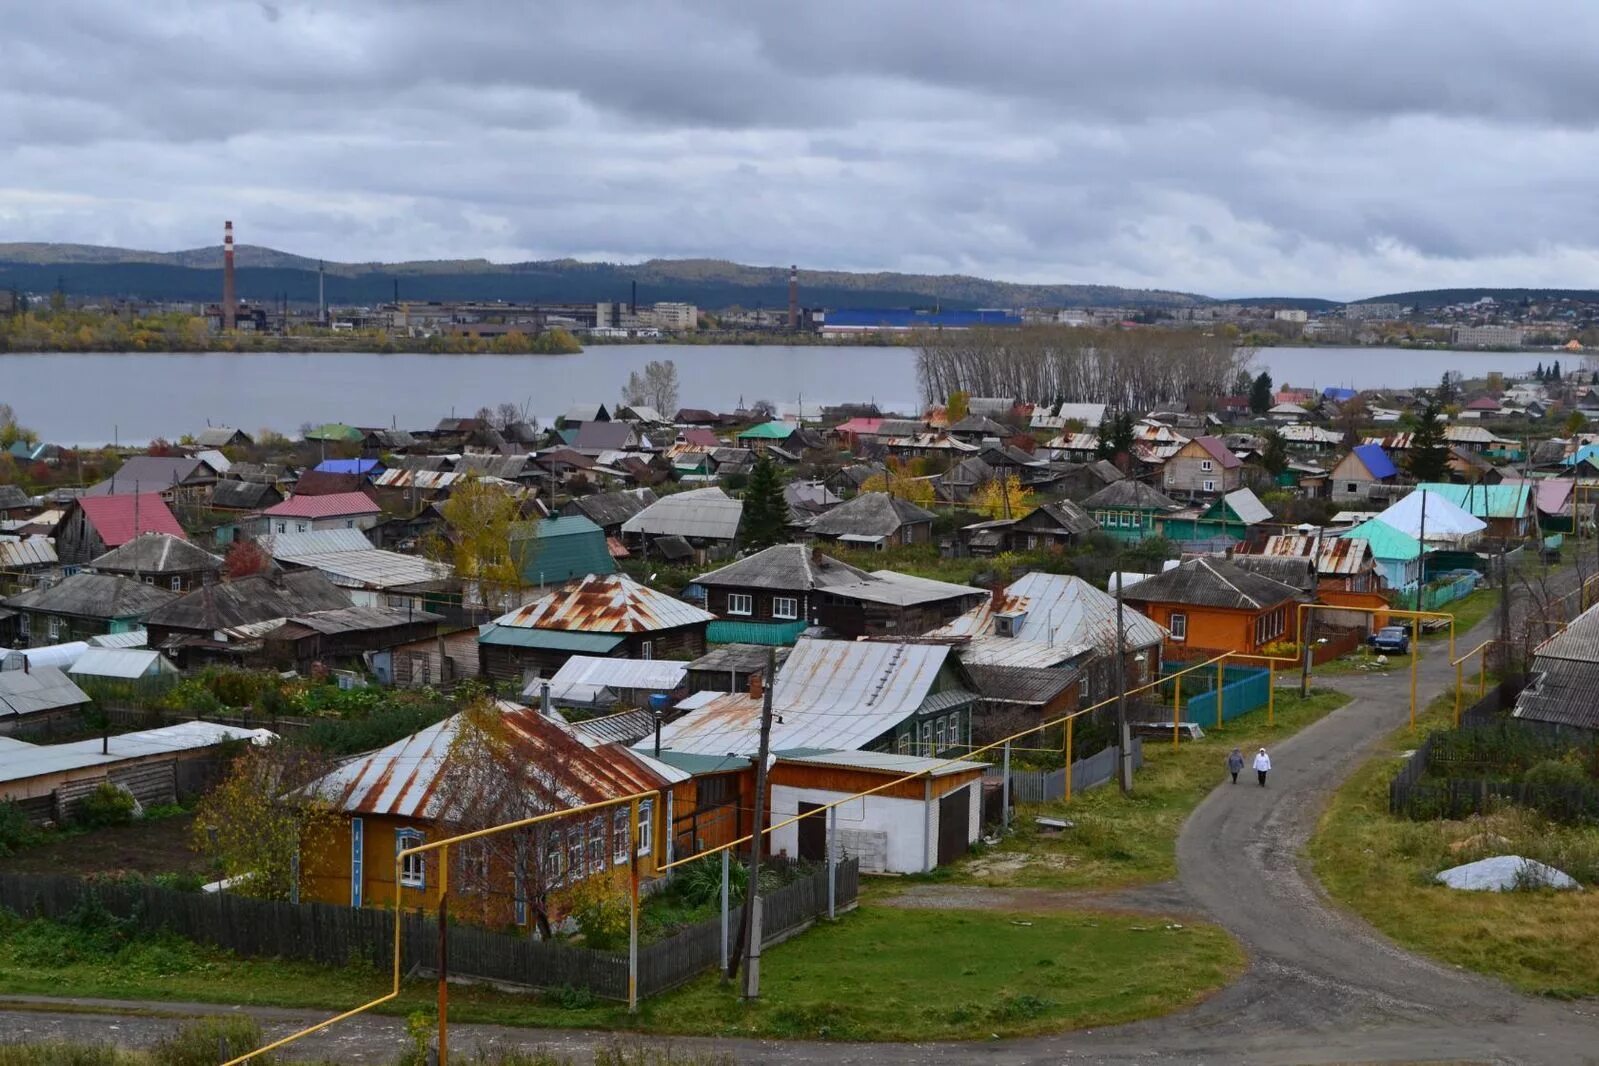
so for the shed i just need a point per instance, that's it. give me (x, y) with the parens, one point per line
(35, 697)
(558, 549)
(123, 664)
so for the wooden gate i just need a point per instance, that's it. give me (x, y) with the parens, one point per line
(954, 825)
(812, 834)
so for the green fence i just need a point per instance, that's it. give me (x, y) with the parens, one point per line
(1244, 689)
(1442, 590)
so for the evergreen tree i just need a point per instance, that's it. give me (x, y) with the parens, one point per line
(1539, 374)
(765, 512)
(1429, 448)
(1446, 390)
(1260, 394)
(1274, 455)
(1115, 434)
(1554, 372)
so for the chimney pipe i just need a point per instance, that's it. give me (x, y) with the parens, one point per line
(544, 701)
(230, 298)
(757, 685)
(793, 297)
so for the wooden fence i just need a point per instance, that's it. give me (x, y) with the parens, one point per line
(1041, 786)
(336, 936)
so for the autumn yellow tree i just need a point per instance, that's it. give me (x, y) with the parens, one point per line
(484, 539)
(899, 482)
(1003, 496)
(261, 816)
(957, 407)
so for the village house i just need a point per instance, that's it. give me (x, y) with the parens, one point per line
(223, 437)
(1563, 678)
(439, 660)
(82, 606)
(874, 519)
(176, 478)
(354, 636)
(244, 496)
(392, 798)
(161, 559)
(609, 615)
(35, 698)
(1365, 474)
(223, 620)
(1074, 481)
(1203, 466)
(729, 667)
(1059, 526)
(93, 525)
(1507, 509)
(1129, 510)
(609, 510)
(1237, 516)
(556, 550)
(1210, 605)
(301, 513)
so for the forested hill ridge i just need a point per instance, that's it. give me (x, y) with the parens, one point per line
(91, 270)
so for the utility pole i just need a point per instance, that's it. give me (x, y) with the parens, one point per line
(1506, 652)
(1124, 753)
(749, 934)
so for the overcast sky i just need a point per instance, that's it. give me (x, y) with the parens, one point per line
(1342, 149)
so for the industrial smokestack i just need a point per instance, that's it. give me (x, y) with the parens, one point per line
(632, 303)
(230, 298)
(321, 295)
(793, 297)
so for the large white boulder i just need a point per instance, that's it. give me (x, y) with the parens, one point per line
(1503, 873)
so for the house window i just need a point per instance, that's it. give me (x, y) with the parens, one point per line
(1178, 627)
(597, 844)
(927, 738)
(413, 868)
(619, 834)
(357, 862)
(283, 527)
(177, 584)
(55, 628)
(1352, 488)
(349, 523)
(1206, 466)
(940, 738)
(646, 649)
(300, 527)
(574, 852)
(25, 625)
(149, 581)
(472, 866)
(785, 607)
(1210, 486)
(903, 743)
(740, 603)
(646, 826)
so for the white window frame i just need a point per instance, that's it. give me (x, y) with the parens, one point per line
(940, 735)
(646, 649)
(555, 857)
(620, 830)
(301, 527)
(596, 858)
(740, 603)
(413, 868)
(283, 527)
(25, 624)
(576, 853)
(55, 627)
(1178, 624)
(785, 607)
(903, 744)
(1210, 486)
(177, 584)
(646, 826)
(1206, 465)
(927, 737)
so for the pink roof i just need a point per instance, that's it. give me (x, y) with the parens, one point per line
(860, 425)
(1218, 451)
(701, 436)
(332, 505)
(1483, 403)
(118, 519)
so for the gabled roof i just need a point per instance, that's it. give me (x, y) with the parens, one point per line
(29, 552)
(86, 595)
(612, 508)
(1216, 448)
(829, 694)
(1339, 556)
(359, 467)
(708, 513)
(770, 431)
(1132, 495)
(333, 505)
(218, 436)
(152, 473)
(604, 436)
(1061, 610)
(156, 553)
(1511, 499)
(258, 598)
(243, 495)
(981, 425)
(1068, 516)
(1446, 522)
(1384, 540)
(871, 514)
(1210, 582)
(34, 691)
(1247, 506)
(1297, 572)
(783, 567)
(1375, 460)
(614, 603)
(118, 519)
(558, 549)
(586, 412)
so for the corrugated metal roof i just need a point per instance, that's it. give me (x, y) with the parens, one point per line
(624, 728)
(1061, 610)
(902, 590)
(1579, 642)
(118, 519)
(699, 513)
(31, 551)
(132, 638)
(1025, 685)
(659, 675)
(376, 569)
(887, 762)
(332, 505)
(314, 542)
(1376, 461)
(548, 639)
(1385, 541)
(1339, 556)
(1247, 506)
(120, 662)
(830, 694)
(1507, 500)
(37, 690)
(613, 603)
(19, 762)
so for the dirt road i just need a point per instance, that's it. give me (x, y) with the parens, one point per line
(1322, 988)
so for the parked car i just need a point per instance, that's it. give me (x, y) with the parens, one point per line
(1390, 640)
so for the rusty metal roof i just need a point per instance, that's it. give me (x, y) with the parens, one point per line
(1339, 555)
(562, 768)
(1060, 609)
(610, 603)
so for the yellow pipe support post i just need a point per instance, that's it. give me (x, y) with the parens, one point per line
(1415, 659)
(1482, 673)
(1221, 680)
(634, 841)
(1460, 681)
(1069, 723)
(1176, 707)
(444, 956)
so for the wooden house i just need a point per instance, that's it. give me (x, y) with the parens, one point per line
(1365, 474)
(1210, 605)
(876, 520)
(84, 605)
(1203, 466)
(1058, 526)
(161, 559)
(93, 525)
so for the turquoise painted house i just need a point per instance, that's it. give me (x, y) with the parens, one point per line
(556, 550)
(1128, 510)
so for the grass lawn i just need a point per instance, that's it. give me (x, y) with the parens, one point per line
(877, 974)
(1119, 840)
(1468, 612)
(1382, 868)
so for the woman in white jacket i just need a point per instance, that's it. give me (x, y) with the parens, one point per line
(1262, 766)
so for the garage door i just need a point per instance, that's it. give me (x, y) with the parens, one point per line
(954, 824)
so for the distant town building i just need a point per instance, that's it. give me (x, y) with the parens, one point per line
(1372, 311)
(1291, 314)
(1487, 336)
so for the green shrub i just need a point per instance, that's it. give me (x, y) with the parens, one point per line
(200, 1043)
(15, 830)
(1557, 789)
(59, 1054)
(106, 805)
(700, 882)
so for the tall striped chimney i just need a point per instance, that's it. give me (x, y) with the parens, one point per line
(230, 299)
(793, 297)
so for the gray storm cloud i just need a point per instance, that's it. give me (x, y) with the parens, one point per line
(1336, 149)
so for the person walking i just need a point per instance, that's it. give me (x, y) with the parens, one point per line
(1235, 763)
(1262, 766)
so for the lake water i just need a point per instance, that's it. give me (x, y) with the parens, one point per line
(97, 398)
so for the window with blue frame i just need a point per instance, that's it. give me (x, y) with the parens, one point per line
(413, 868)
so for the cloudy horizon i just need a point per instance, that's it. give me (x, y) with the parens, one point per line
(1339, 150)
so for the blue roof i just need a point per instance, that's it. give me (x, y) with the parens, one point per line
(1582, 455)
(908, 318)
(348, 466)
(1337, 395)
(1376, 461)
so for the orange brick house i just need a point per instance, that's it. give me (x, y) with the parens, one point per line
(1211, 605)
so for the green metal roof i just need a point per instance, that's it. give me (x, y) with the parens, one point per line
(555, 550)
(549, 639)
(1486, 501)
(694, 764)
(769, 431)
(765, 633)
(1386, 541)
(334, 431)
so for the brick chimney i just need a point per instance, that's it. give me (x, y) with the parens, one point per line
(757, 685)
